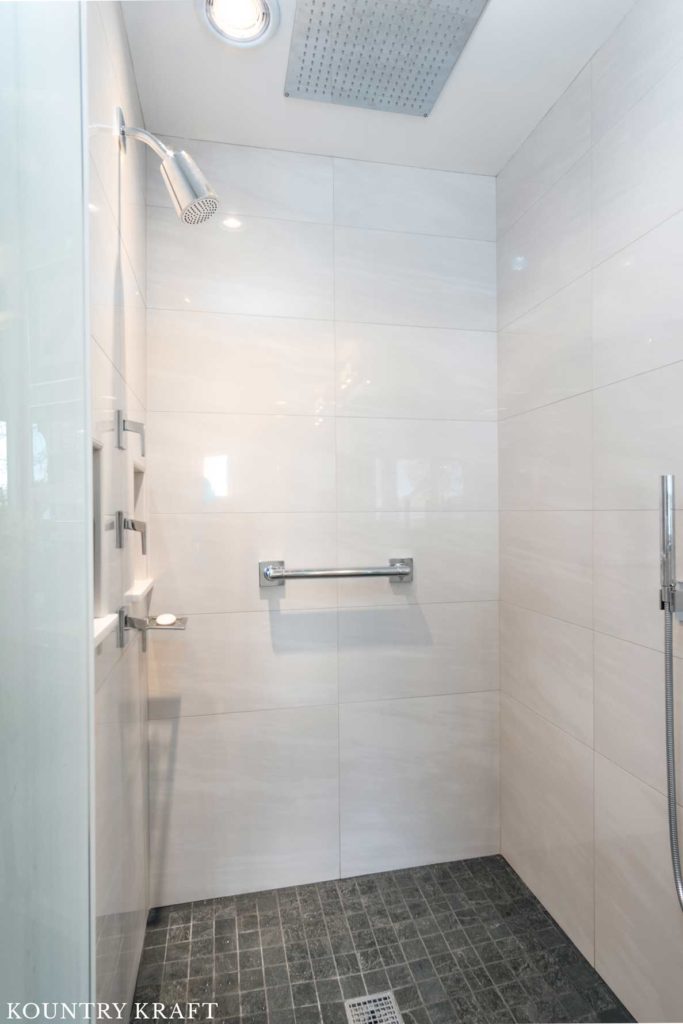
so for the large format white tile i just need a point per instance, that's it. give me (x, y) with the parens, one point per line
(545, 563)
(209, 563)
(422, 372)
(545, 457)
(547, 664)
(417, 650)
(415, 465)
(244, 662)
(638, 169)
(639, 925)
(455, 556)
(397, 278)
(638, 305)
(547, 817)
(548, 247)
(637, 438)
(419, 781)
(626, 574)
(555, 144)
(212, 462)
(255, 182)
(647, 43)
(243, 802)
(205, 362)
(629, 708)
(546, 355)
(392, 198)
(268, 268)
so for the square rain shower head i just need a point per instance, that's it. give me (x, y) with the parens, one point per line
(393, 55)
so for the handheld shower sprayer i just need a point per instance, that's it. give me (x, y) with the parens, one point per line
(671, 603)
(193, 198)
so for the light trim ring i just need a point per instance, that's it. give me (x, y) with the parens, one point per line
(266, 20)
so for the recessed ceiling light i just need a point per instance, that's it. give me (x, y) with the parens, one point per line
(242, 22)
(232, 223)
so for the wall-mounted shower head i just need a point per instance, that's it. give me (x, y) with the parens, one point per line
(193, 197)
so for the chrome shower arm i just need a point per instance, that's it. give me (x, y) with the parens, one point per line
(142, 135)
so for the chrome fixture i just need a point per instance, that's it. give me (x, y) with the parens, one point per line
(274, 574)
(193, 198)
(144, 625)
(123, 522)
(671, 603)
(241, 22)
(132, 426)
(393, 55)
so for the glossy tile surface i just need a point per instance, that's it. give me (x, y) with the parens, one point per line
(391, 198)
(257, 830)
(210, 462)
(418, 780)
(415, 465)
(459, 941)
(391, 278)
(547, 816)
(414, 651)
(378, 374)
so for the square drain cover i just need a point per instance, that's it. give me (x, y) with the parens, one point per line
(375, 1009)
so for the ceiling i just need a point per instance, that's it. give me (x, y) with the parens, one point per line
(520, 59)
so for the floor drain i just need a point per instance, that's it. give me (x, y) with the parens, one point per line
(375, 1009)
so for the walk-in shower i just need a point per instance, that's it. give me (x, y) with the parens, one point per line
(193, 197)
(671, 603)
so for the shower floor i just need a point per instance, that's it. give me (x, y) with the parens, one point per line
(458, 943)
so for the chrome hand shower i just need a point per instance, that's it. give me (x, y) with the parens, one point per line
(672, 600)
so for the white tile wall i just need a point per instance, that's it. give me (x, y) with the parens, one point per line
(117, 239)
(286, 425)
(590, 378)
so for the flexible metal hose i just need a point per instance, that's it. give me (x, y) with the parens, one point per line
(671, 752)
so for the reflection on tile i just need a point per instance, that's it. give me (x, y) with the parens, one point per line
(639, 925)
(629, 708)
(546, 355)
(256, 182)
(547, 816)
(419, 781)
(270, 268)
(645, 45)
(244, 662)
(393, 198)
(378, 373)
(415, 465)
(417, 650)
(638, 169)
(396, 278)
(224, 820)
(638, 307)
(545, 457)
(456, 556)
(204, 362)
(546, 563)
(547, 664)
(531, 264)
(637, 438)
(209, 563)
(554, 146)
(211, 462)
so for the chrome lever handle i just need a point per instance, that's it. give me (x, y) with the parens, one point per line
(132, 427)
(124, 522)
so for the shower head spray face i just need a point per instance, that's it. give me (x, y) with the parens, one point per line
(192, 195)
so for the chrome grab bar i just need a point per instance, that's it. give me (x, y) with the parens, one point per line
(274, 574)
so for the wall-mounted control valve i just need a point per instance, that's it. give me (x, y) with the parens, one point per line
(163, 622)
(132, 427)
(124, 522)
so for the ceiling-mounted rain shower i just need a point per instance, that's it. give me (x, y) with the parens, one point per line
(193, 197)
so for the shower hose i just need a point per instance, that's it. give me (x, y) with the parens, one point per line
(670, 752)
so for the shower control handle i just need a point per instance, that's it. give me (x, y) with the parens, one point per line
(132, 426)
(124, 522)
